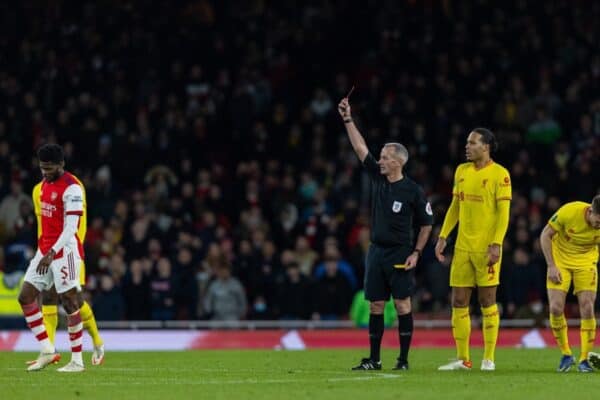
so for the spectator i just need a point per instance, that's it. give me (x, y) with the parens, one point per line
(225, 299)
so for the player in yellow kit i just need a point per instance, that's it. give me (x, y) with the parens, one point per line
(480, 206)
(570, 243)
(50, 298)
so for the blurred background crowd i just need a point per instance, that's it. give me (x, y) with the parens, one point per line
(220, 182)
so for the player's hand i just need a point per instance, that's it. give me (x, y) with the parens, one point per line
(411, 261)
(440, 246)
(554, 275)
(45, 262)
(344, 108)
(493, 254)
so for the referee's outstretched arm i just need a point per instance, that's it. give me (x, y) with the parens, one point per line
(358, 142)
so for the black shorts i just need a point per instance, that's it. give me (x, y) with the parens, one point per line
(385, 275)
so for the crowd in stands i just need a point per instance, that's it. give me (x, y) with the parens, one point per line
(220, 181)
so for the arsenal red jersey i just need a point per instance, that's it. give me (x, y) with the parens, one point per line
(59, 198)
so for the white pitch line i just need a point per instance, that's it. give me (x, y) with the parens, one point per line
(249, 381)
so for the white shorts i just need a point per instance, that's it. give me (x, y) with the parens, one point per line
(62, 273)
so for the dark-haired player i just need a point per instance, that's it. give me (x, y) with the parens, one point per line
(480, 205)
(56, 264)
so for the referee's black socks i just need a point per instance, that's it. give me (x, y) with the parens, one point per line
(375, 335)
(405, 331)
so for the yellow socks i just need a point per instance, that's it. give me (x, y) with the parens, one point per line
(89, 323)
(491, 324)
(50, 314)
(588, 335)
(559, 330)
(461, 330)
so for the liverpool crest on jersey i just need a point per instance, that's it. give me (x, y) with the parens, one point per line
(397, 206)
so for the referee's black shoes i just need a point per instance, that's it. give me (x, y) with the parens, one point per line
(366, 364)
(401, 365)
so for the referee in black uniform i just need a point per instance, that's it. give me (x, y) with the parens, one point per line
(396, 201)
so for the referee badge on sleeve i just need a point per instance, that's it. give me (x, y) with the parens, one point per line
(397, 206)
(428, 209)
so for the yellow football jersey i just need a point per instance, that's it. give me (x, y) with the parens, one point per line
(575, 243)
(477, 191)
(36, 197)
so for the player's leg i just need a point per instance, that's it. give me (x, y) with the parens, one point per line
(89, 324)
(33, 284)
(66, 280)
(377, 294)
(89, 321)
(488, 279)
(491, 325)
(557, 294)
(70, 301)
(462, 281)
(50, 315)
(584, 283)
(50, 311)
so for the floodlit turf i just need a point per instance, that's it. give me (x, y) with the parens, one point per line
(315, 374)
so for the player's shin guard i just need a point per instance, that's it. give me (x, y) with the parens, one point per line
(50, 313)
(461, 330)
(89, 323)
(491, 324)
(588, 335)
(558, 324)
(375, 335)
(75, 336)
(35, 322)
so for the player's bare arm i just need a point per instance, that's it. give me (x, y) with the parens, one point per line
(422, 239)
(546, 243)
(358, 142)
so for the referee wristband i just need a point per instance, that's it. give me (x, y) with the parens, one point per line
(417, 251)
(347, 121)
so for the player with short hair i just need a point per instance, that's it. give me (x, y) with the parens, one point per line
(570, 244)
(396, 202)
(50, 297)
(57, 259)
(481, 207)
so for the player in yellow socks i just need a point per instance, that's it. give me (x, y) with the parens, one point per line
(570, 243)
(481, 206)
(50, 298)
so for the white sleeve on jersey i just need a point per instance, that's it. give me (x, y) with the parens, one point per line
(73, 200)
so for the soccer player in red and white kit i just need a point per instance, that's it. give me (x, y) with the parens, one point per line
(57, 259)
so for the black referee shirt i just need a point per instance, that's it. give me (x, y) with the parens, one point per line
(394, 206)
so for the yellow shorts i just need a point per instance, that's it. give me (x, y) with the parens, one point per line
(583, 278)
(82, 273)
(470, 269)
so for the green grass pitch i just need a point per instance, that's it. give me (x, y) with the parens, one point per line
(313, 374)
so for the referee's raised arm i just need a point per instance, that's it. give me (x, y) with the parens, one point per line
(358, 142)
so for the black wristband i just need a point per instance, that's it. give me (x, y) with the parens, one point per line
(418, 252)
(346, 121)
